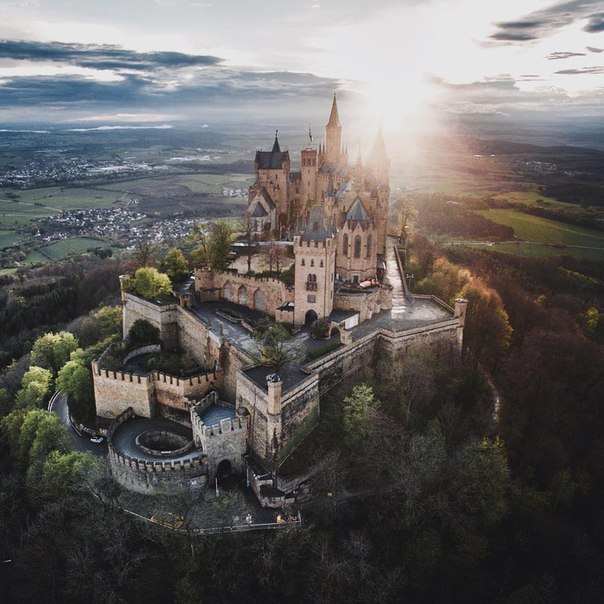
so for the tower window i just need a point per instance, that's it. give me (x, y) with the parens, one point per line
(369, 246)
(303, 263)
(312, 262)
(345, 245)
(321, 263)
(311, 298)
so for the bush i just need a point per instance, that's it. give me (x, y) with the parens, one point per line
(320, 329)
(142, 333)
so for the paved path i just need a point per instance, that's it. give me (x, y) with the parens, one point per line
(124, 437)
(80, 442)
(393, 277)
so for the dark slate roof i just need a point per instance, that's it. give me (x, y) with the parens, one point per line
(258, 211)
(357, 211)
(315, 227)
(272, 160)
(267, 197)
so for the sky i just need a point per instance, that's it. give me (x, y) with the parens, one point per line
(160, 61)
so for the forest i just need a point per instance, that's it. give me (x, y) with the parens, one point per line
(477, 478)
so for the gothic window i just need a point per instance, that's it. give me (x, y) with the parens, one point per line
(312, 278)
(368, 246)
(312, 262)
(303, 263)
(345, 245)
(357, 246)
(321, 264)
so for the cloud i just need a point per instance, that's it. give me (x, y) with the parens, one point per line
(581, 71)
(99, 56)
(594, 49)
(544, 22)
(595, 23)
(563, 55)
(87, 80)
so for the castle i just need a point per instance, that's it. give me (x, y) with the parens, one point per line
(243, 416)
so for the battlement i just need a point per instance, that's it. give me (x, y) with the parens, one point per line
(180, 466)
(120, 376)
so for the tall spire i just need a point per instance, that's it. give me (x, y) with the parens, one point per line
(334, 120)
(276, 148)
(379, 147)
(333, 132)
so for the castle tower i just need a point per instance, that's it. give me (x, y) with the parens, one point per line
(270, 190)
(333, 132)
(308, 175)
(379, 162)
(315, 253)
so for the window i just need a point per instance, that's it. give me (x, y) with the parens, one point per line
(321, 264)
(312, 262)
(303, 263)
(357, 246)
(368, 246)
(311, 298)
(312, 278)
(345, 245)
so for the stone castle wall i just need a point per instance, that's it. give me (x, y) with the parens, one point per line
(164, 317)
(259, 293)
(365, 304)
(226, 440)
(115, 391)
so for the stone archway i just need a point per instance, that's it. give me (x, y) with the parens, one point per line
(224, 469)
(259, 300)
(242, 295)
(227, 291)
(310, 317)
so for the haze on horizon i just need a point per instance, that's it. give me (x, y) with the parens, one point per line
(413, 63)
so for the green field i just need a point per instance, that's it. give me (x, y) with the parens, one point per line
(63, 249)
(543, 237)
(8, 238)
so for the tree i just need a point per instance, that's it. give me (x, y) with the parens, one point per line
(64, 473)
(176, 266)
(219, 244)
(52, 350)
(271, 342)
(149, 283)
(36, 386)
(144, 252)
(487, 331)
(358, 413)
(143, 333)
(75, 379)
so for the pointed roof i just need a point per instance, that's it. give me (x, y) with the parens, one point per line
(267, 197)
(334, 120)
(258, 211)
(276, 148)
(357, 211)
(315, 227)
(379, 147)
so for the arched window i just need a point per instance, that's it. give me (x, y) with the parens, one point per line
(368, 246)
(357, 246)
(312, 262)
(321, 263)
(345, 245)
(303, 263)
(312, 278)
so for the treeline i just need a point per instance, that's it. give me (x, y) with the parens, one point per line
(39, 300)
(447, 216)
